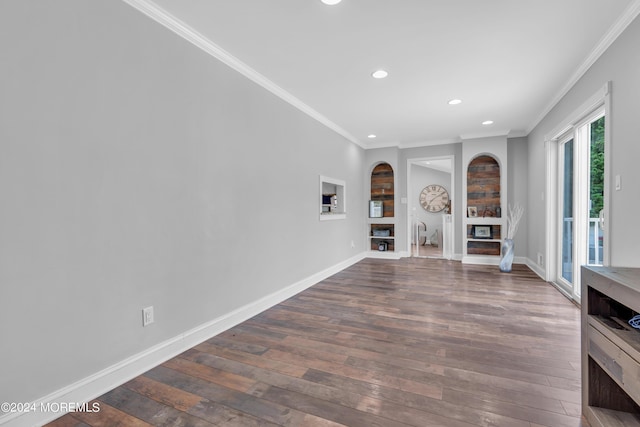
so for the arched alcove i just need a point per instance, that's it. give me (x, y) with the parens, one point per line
(382, 228)
(382, 187)
(483, 187)
(484, 230)
(485, 195)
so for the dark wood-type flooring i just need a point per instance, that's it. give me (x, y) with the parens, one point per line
(411, 342)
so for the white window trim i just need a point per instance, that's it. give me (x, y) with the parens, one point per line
(341, 190)
(593, 107)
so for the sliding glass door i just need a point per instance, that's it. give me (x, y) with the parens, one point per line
(581, 188)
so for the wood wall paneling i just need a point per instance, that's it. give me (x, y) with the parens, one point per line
(382, 187)
(483, 185)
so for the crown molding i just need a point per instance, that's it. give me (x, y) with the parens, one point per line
(370, 145)
(417, 144)
(632, 11)
(487, 134)
(517, 134)
(164, 18)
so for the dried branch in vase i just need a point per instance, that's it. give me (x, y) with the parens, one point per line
(514, 215)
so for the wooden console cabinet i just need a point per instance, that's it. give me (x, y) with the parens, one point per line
(610, 347)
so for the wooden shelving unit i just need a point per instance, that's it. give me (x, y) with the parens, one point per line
(389, 240)
(610, 347)
(383, 189)
(484, 246)
(484, 195)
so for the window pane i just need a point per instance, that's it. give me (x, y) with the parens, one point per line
(567, 213)
(596, 191)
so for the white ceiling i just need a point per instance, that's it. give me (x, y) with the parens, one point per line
(508, 60)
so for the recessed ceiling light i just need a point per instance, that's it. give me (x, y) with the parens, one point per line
(331, 2)
(371, 136)
(487, 122)
(455, 102)
(379, 74)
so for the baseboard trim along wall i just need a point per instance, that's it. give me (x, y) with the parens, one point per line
(536, 268)
(101, 382)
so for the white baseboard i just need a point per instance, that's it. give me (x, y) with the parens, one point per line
(386, 254)
(491, 260)
(101, 382)
(536, 268)
(481, 259)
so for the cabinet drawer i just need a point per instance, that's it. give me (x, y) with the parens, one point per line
(619, 365)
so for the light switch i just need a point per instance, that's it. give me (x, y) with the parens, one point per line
(618, 183)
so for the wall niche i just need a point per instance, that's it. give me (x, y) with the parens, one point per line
(483, 186)
(382, 229)
(382, 188)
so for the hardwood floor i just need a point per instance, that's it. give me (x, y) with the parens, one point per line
(410, 342)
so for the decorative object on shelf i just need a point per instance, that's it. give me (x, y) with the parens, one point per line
(381, 232)
(376, 208)
(472, 212)
(488, 213)
(434, 198)
(482, 232)
(514, 215)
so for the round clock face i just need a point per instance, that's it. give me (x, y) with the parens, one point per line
(434, 198)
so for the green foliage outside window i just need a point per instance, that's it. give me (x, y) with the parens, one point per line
(597, 167)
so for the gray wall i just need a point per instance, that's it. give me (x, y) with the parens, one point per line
(136, 170)
(620, 64)
(517, 179)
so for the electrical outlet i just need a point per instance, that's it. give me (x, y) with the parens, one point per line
(353, 244)
(147, 316)
(540, 259)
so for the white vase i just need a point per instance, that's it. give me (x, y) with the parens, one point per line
(507, 256)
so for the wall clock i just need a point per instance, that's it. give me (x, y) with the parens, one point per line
(434, 198)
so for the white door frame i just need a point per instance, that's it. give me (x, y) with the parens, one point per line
(411, 204)
(601, 99)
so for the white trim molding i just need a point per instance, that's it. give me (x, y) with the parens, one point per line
(536, 269)
(103, 381)
(627, 17)
(571, 124)
(164, 18)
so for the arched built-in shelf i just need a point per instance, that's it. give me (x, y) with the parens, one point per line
(382, 188)
(382, 229)
(483, 186)
(484, 211)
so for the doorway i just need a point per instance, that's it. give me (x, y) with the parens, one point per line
(578, 202)
(430, 180)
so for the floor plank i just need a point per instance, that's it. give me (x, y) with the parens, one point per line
(410, 342)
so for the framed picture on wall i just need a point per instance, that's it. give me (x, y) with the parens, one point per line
(472, 212)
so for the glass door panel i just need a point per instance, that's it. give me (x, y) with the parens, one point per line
(596, 192)
(566, 209)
